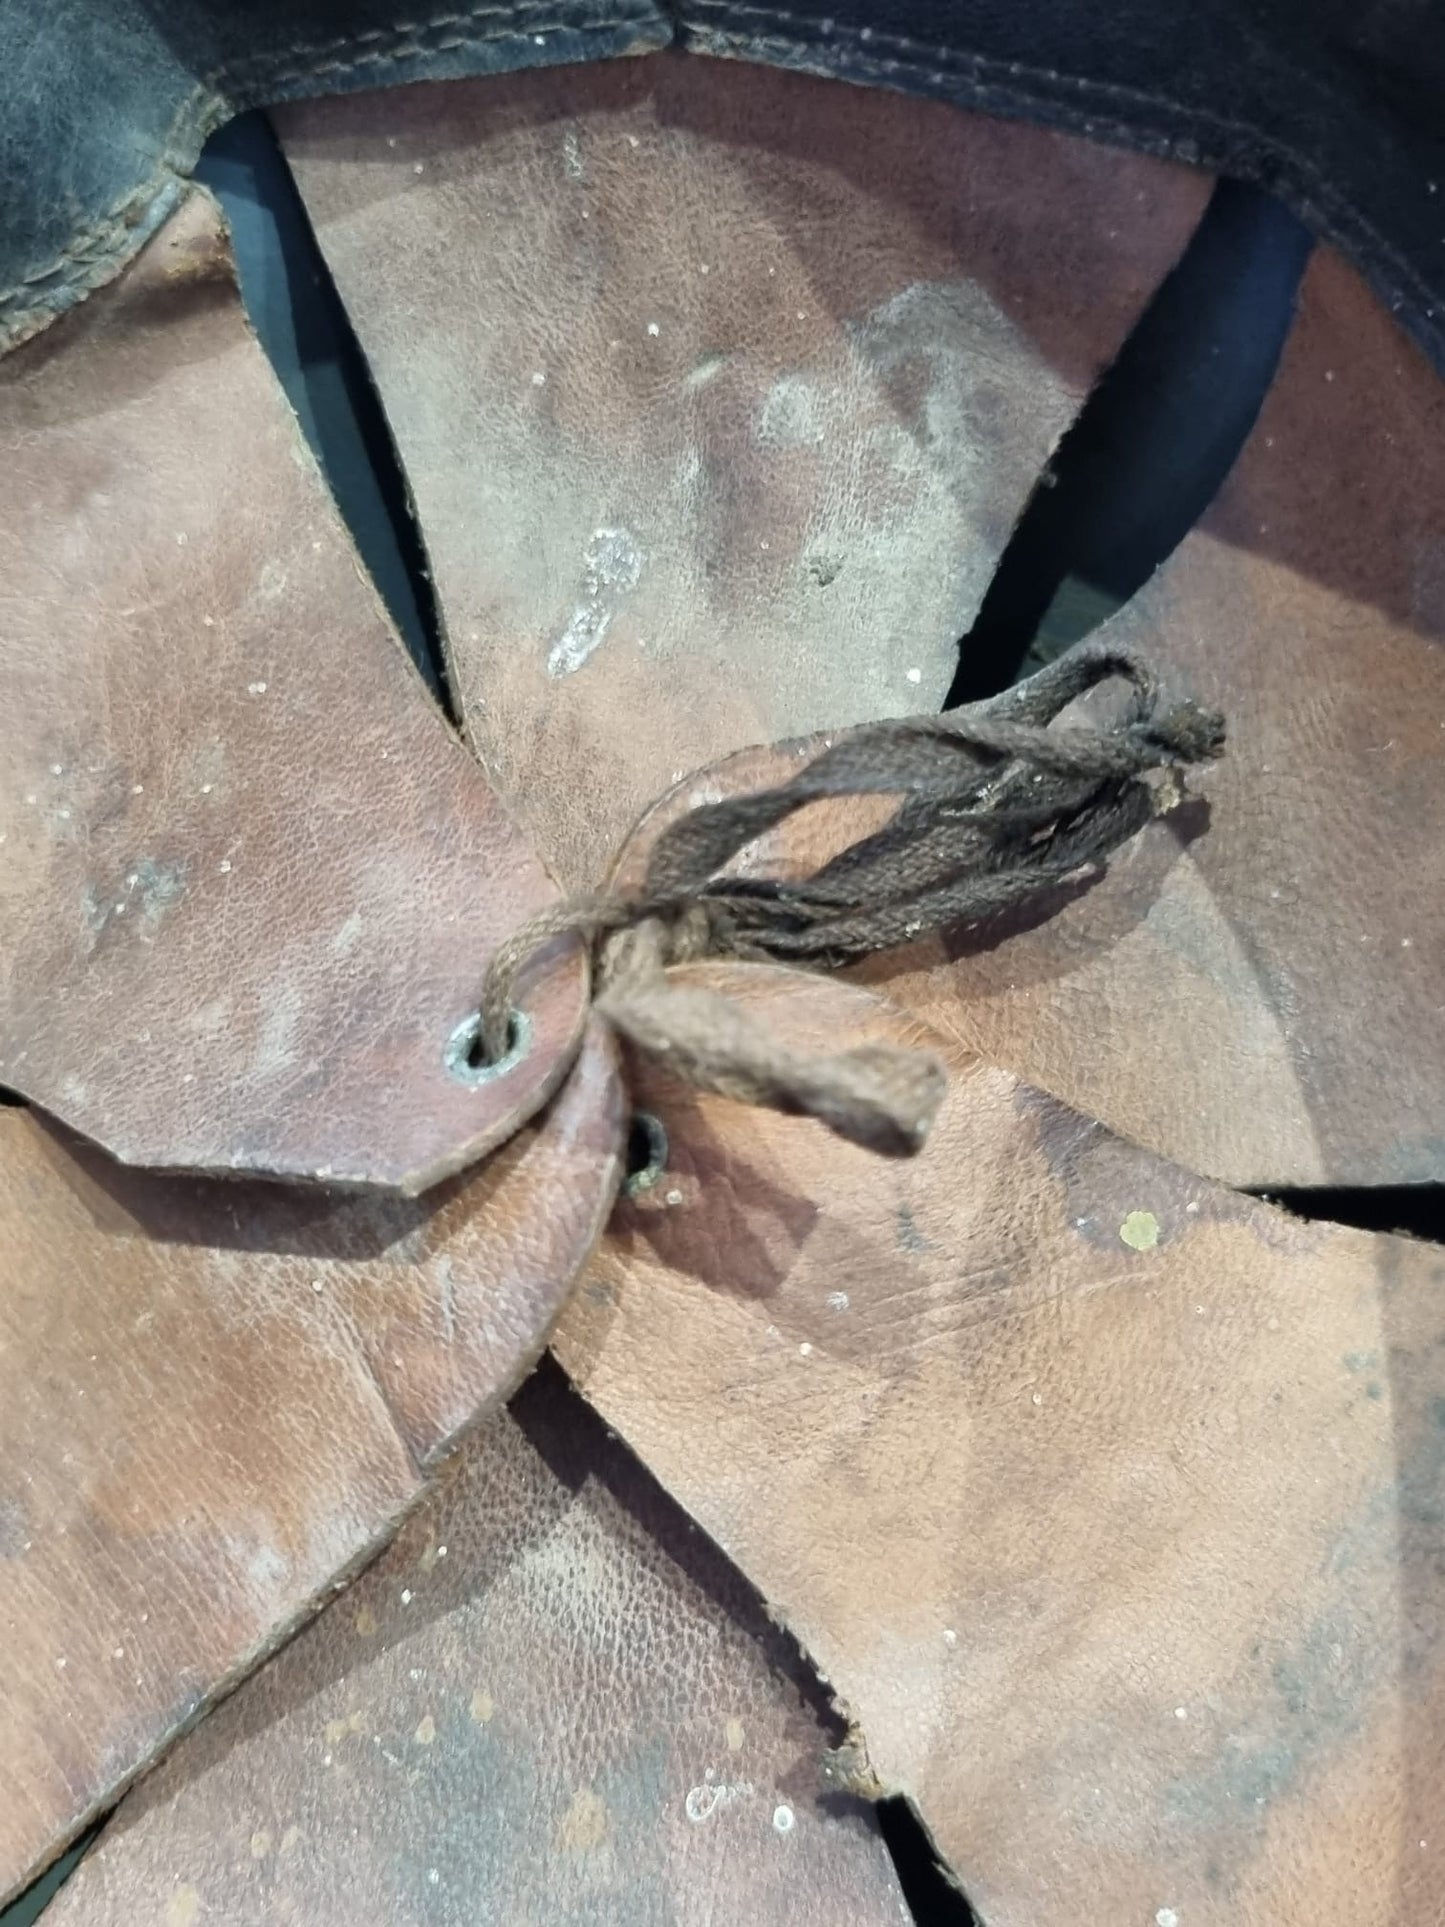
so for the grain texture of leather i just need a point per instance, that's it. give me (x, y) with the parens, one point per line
(250, 879)
(1109, 1501)
(719, 391)
(216, 1398)
(1256, 986)
(551, 1702)
(1266, 1001)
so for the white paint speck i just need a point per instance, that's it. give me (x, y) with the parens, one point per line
(406, 1596)
(701, 1803)
(837, 1301)
(539, 380)
(950, 1637)
(653, 329)
(255, 688)
(206, 788)
(612, 568)
(1038, 1398)
(805, 1349)
(433, 1875)
(137, 789)
(420, 168)
(441, 1552)
(224, 866)
(540, 40)
(1166, 1917)
(915, 675)
(57, 769)
(1181, 1712)
(633, 141)
(673, 1197)
(782, 1819)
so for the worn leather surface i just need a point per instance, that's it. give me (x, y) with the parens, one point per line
(1109, 1501)
(250, 879)
(106, 104)
(216, 1398)
(550, 1702)
(1256, 984)
(719, 392)
(1333, 105)
(1265, 1001)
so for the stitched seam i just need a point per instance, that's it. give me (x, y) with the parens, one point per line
(310, 61)
(345, 43)
(830, 29)
(986, 70)
(101, 239)
(109, 236)
(541, 9)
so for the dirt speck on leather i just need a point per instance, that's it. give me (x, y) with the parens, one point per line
(1043, 1748)
(1140, 1231)
(651, 1814)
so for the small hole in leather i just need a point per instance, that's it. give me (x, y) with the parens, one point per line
(464, 1055)
(646, 1152)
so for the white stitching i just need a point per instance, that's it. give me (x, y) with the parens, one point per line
(268, 70)
(1346, 216)
(109, 237)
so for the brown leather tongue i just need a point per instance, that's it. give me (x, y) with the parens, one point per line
(1107, 1500)
(719, 391)
(217, 1399)
(1255, 985)
(550, 1701)
(249, 878)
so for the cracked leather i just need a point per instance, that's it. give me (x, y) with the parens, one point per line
(217, 1399)
(549, 1702)
(1106, 1499)
(719, 392)
(1206, 996)
(251, 879)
